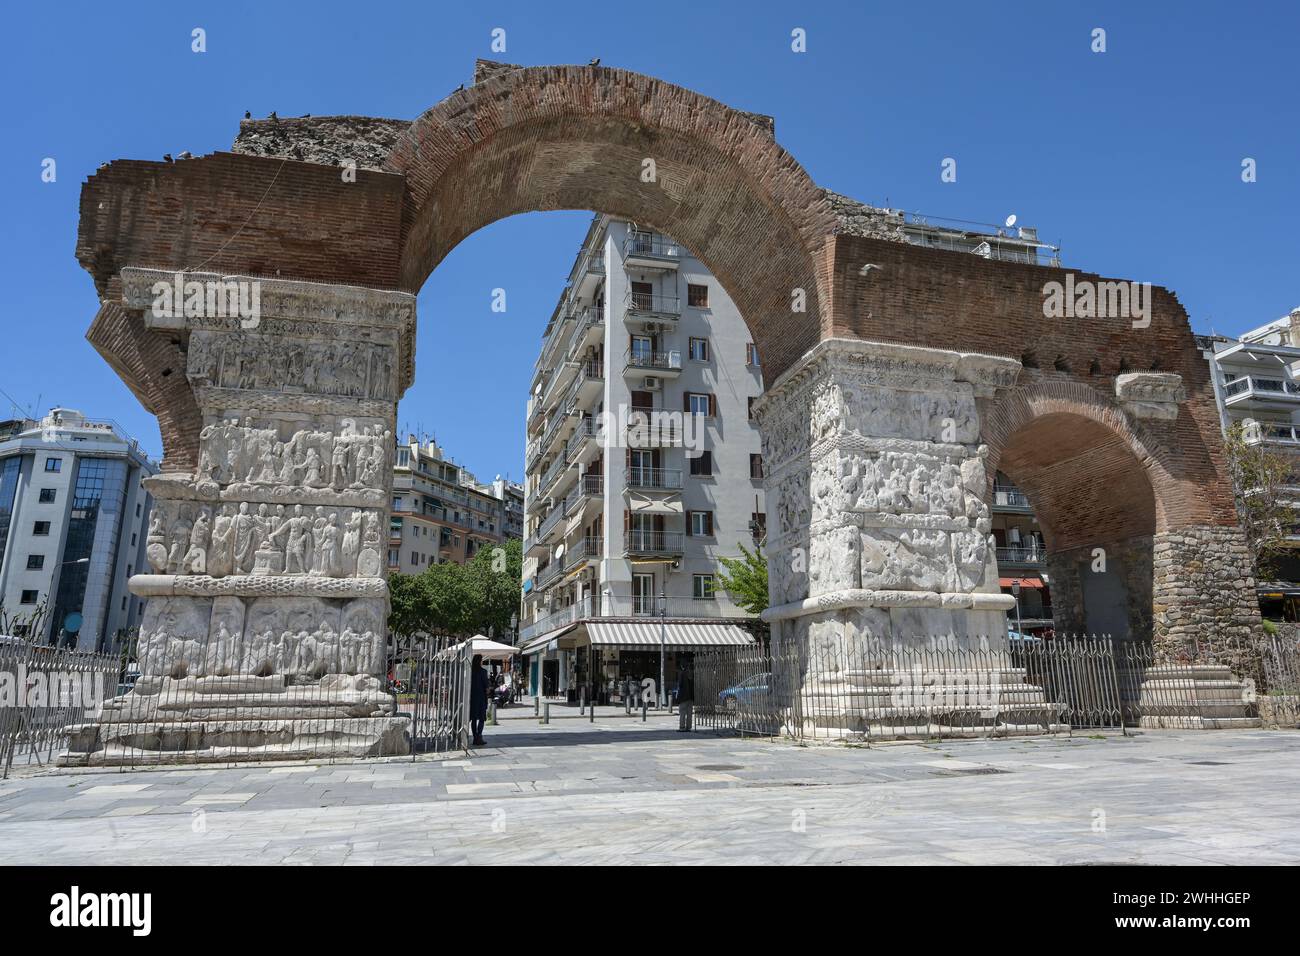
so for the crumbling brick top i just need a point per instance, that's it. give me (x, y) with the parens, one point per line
(327, 140)
(859, 219)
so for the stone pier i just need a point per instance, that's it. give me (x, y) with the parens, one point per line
(265, 630)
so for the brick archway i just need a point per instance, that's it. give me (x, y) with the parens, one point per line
(612, 141)
(877, 424)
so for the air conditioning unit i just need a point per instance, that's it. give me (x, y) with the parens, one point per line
(654, 327)
(650, 384)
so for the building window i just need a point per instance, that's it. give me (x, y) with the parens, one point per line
(699, 524)
(749, 406)
(35, 562)
(137, 509)
(702, 465)
(28, 597)
(751, 355)
(700, 403)
(699, 350)
(415, 558)
(758, 525)
(41, 527)
(702, 586)
(54, 464)
(393, 557)
(697, 296)
(48, 495)
(756, 467)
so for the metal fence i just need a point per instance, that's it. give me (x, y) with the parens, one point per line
(940, 687)
(439, 697)
(44, 691)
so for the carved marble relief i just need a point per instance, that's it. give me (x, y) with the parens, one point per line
(302, 638)
(252, 361)
(188, 537)
(241, 454)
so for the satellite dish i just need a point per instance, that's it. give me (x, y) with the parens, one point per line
(1011, 220)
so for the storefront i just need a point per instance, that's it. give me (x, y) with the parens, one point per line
(608, 660)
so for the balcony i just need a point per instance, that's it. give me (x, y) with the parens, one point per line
(663, 364)
(647, 543)
(1025, 557)
(587, 549)
(589, 331)
(1271, 433)
(654, 479)
(590, 488)
(550, 523)
(649, 250)
(1257, 390)
(1010, 497)
(650, 429)
(651, 307)
(585, 438)
(548, 575)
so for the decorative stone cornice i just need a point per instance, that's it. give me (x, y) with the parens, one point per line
(890, 363)
(1150, 394)
(256, 585)
(289, 301)
(860, 597)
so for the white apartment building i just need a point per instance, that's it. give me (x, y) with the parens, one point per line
(643, 465)
(1256, 380)
(73, 521)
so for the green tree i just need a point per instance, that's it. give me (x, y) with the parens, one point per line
(745, 579)
(1260, 478)
(495, 578)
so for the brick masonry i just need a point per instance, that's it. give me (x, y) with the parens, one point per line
(568, 137)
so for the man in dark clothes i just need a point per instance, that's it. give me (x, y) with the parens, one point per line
(685, 698)
(478, 699)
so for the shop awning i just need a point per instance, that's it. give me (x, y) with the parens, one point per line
(537, 644)
(644, 635)
(1024, 582)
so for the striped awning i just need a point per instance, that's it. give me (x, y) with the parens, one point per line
(644, 635)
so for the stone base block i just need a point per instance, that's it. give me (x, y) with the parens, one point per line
(241, 717)
(885, 703)
(226, 741)
(1196, 697)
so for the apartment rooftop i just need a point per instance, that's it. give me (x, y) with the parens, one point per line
(69, 424)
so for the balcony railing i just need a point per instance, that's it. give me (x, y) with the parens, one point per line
(645, 358)
(640, 243)
(660, 479)
(1009, 496)
(590, 486)
(584, 550)
(549, 573)
(1015, 555)
(1272, 432)
(660, 305)
(654, 542)
(550, 521)
(1268, 386)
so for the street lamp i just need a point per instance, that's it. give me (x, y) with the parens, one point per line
(663, 634)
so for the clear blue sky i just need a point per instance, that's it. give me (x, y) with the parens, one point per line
(1129, 159)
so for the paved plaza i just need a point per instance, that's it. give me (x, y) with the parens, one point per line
(621, 790)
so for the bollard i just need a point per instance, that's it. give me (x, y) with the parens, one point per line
(546, 712)
(492, 713)
(592, 712)
(537, 704)
(627, 704)
(645, 707)
(582, 701)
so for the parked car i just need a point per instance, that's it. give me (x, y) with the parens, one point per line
(752, 692)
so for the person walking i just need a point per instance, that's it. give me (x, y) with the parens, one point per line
(478, 699)
(685, 699)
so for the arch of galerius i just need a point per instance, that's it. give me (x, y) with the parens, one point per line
(896, 390)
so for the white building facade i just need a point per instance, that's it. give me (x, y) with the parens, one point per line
(642, 467)
(74, 516)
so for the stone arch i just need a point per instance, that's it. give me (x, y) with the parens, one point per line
(1096, 480)
(569, 137)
